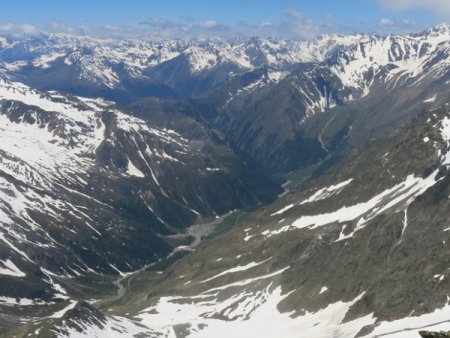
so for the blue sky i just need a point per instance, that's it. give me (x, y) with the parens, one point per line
(298, 19)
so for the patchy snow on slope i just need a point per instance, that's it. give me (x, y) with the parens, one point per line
(236, 269)
(200, 59)
(35, 146)
(130, 124)
(327, 192)
(10, 269)
(62, 312)
(19, 92)
(45, 60)
(283, 210)
(323, 289)
(430, 99)
(248, 312)
(401, 195)
(277, 76)
(133, 171)
(255, 315)
(42, 148)
(113, 327)
(445, 133)
(410, 326)
(267, 322)
(20, 301)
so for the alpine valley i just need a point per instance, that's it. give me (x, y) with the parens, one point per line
(225, 188)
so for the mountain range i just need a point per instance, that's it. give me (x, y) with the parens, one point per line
(247, 187)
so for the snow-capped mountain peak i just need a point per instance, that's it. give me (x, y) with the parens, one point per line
(440, 29)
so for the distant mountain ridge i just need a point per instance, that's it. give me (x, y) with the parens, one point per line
(109, 64)
(99, 66)
(251, 89)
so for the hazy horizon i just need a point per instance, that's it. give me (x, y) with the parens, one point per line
(298, 20)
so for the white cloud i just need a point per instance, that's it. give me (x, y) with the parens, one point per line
(296, 25)
(293, 25)
(209, 24)
(266, 24)
(16, 29)
(440, 8)
(386, 22)
(390, 26)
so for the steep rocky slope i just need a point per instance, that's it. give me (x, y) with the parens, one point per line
(358, 252)
(86, 189)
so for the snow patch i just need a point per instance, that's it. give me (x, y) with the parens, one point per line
(10, 269)
(286, 208)
(327, 192)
